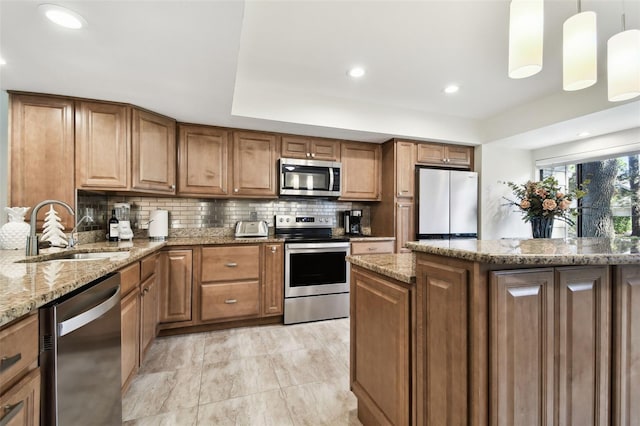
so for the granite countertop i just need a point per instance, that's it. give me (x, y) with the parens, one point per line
(401, 267)
(541, 251)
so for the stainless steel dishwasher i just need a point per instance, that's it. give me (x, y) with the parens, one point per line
(80, 356)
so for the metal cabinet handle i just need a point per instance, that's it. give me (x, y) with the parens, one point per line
(308, 154)
(11, 411)
(236, 190)
(230, 301)
(172, 187)
(274, 249)
(231, 265)
(80, 320)
(313, 155)
(8, 361)
(371, 248)
(145, 290)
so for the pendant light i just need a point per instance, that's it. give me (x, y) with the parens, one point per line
(526, 27)
(579, 51)
(623, 64)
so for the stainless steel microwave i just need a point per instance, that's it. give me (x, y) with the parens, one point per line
(311, 178)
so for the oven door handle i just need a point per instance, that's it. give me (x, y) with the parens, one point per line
(316, 247)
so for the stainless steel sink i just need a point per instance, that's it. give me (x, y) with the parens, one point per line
(92, 256)
(77, 257)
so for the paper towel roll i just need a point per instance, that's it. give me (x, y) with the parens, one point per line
(159, 224)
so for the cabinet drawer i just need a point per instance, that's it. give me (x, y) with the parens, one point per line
(373, 247)
(222, 301)
(18, 349)
(148, 266)
(20, 405)
(230, 263)
(129, 278)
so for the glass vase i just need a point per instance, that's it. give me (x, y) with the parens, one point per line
(542, 226)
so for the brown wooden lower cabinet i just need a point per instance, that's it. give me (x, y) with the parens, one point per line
(626, 345)
(149, 302)
(130, 337)
(380, 348)
(272, 279)
(20, 405)
(176, 288)
(491, 344)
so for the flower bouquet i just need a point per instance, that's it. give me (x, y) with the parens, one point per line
(541, 202)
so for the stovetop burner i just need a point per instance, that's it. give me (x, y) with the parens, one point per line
(306, 228)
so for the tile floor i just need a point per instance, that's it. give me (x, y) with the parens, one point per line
(271, 375)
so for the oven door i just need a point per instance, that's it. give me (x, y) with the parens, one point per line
(316, 268)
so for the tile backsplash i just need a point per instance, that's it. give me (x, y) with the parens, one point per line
(187, 213)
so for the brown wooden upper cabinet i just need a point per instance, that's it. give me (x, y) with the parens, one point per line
(435, 154)
(361, 171)
(310, 148)
(153, 141)
(203, 160)
(405, 168)
(41, 153)
(103, 145)
(254, 164)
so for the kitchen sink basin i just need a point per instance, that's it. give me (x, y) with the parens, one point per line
(77, 257)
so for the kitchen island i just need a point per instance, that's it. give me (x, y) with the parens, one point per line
(498, 332)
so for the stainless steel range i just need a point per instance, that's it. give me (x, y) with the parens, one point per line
(316, 272)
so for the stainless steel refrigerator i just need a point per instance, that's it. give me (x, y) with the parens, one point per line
(446, 204)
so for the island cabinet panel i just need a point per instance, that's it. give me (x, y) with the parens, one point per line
(153, 141)
(626, 345)
(103, 145)
(203, 160)
(522, 348)
(254, 164)
(176, 288)
(41, 156)
(583, 333)
(380, 348)
(441, 344)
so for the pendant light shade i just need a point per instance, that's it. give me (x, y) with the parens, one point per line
(526, 25)
(579, 52)
(623, 65)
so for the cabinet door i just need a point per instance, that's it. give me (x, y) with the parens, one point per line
(296, 147)
(360, 171)
(153, 141)
(380, 347)
(102, 145)
(149, 314)
(404, 226)
(254, 164)
(225, 301)
(405, 168)
(521, 349)
(130, 329)
(459, 156)
(626, 345)
(20, 405)
(325, 149)
(431, 154)
(583, 334)
(176, 292)
(441, 344)
(203, 160)
(272, 279)
(42, 153)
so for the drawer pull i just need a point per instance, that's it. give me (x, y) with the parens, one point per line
(372, 249)
(230, 301)
(10, 412)
(8, 361)
(231, 265)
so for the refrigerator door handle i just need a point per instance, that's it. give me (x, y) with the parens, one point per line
(80, 320)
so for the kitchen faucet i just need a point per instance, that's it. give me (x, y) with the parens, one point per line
(73, 240)
(32, 239)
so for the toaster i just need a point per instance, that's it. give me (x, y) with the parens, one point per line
(257, 228)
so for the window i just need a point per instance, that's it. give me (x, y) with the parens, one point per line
(611, 207)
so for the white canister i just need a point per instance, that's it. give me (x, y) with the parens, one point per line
(159, 224)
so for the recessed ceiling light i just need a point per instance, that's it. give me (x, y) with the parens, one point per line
(63, 16)
(356, 72)
(452, 88)
(583, 134)
(2, 61)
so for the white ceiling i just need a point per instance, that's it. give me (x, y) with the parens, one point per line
(281, 66)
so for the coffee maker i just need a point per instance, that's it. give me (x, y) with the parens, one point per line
(352, 225)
